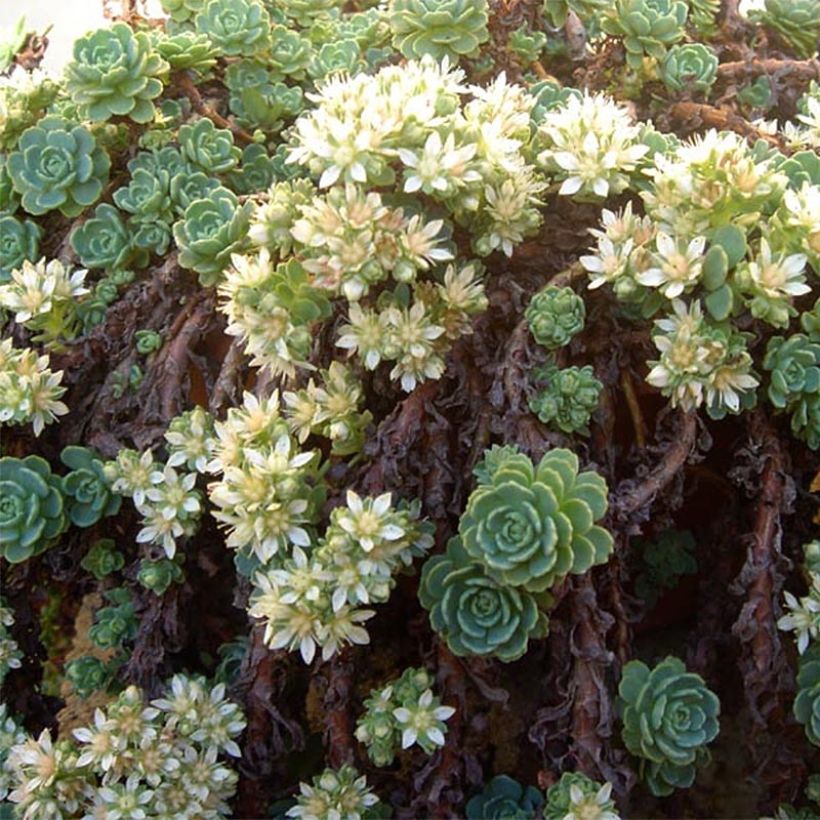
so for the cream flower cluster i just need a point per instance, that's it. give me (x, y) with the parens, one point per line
(135, 760)
(700, 361)
(43, 297)
(313, 599)
(803, 614)
(268, 495)
(407, 126)
(591, 145)
(30, 392)
(167, 498)
(330, 408)
(711, 180)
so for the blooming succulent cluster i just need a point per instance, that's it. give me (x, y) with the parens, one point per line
(44, 296)
(314, 597)
(11, 734)
(330, 409)
(341, 793)
(115, 72)
(440, 28)
(569, 398)
(502, 798)
(555, 315)
(469, 156)
(524, 529)
(167, 499)
(576, 797)
(590, 145)
(401, 714)
(803, 615)
(669, 716)
(702, 361)
(135, 760)
(646, 27)
(30, 391)
(10, 658)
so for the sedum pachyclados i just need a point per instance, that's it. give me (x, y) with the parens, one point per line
(439, 28)
(115, 72)
(525, 528)
(531, 525)
(669, 716)
(401, 714)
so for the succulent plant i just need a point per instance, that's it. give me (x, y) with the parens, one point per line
(210, 231)
(306, 12)
(187, 51)
(208, 147)
(529, 526)
(440, 28)
(88, 495)
(646, 27)
(576, 797)
(689, 67)
(187, 187)
(290, 54)
(555, 315)
(797, 22)
(116, 623)
(181, 11)
(146, 195)
(794, 365)
(115, 72)
(88, 674)
(159, 575)
(31, 507)
(663, 561)
(669, 716)
(19, 240)
(104, 241)
(505, 799)
(332, 58)
(703, 16)
(527, 44)
(103, 558)
(475, 614)
(235, 26)
(403, 713)
(339, 793)
(807, 702)
(569, 398)
(58, 164)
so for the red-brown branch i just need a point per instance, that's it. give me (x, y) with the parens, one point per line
(799, 69)
(186, 85)
(631, 499)
(697, 114)
(338, 717)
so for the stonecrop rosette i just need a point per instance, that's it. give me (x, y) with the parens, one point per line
(669, 715)
(529, 526)
(115, 72)
(58, 164)
(474, 614)
(31, 507)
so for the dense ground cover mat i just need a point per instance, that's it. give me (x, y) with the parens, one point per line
(412, 409)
